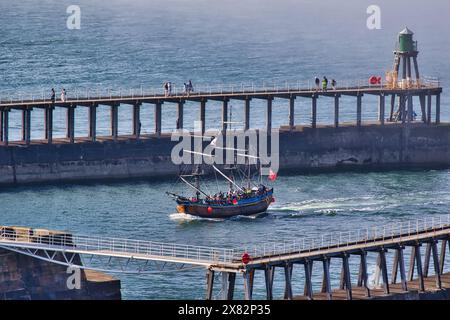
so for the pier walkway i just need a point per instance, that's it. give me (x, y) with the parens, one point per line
(401, 100)
(139, 256)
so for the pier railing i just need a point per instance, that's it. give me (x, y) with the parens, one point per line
(77, 94)
(341, 240)
(117, 246)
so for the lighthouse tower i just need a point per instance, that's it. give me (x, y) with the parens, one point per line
(405, 52)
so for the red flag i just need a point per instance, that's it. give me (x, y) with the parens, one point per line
(272, 175)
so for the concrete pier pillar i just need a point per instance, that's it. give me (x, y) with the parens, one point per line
(269, 115)
(442, 255)
(5, 126)
(384, 271)
(137, 120)
(326, 286)
(26, 125)
(437, 269)
(93, 122)
(381, 108)
(209, 284)
(391, 114)
(158, 116)
(438, 108)
(401, 263)
(419, 269)
(410, 111)
(403, 114)
(336, 110)
(203, 115)
(308, 280)
(231, 285)
(359, 110)
(49, 124)
(429, 103)
(1, 125)
(288, 281)
(292, 113)
(180, 106)
(268, 275)
(347, 279)
(314, 112)
(224, 116)
(114, 121)
(423, 108)
(247, 114)
(70, 132)
(248, 284)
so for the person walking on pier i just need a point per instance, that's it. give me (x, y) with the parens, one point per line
(333, 84)
(166, 89)
(53, 96)
(169, 88)
(63, 95)
(185, 88)
(190, 87)
(317, 83)
(324, 83)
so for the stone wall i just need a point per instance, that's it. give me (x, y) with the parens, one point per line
(24, 277)
(303, 150)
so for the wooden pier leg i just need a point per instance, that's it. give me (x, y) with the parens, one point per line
(114, 121)
(269, 115)
(288, 279)
(326, 286)
(203, 115)
(401, 262)
(336, 110)
(158, 116)
(365, 276)
(314, 112)
(224, 116)
(348, 283)
(442, 256)
(49, 124)
(248, 284)
(412, 263)
(394, 268)
(419, 269)
(359, 110)
(224, 290)
(70, 133)
(308, 279)
(342, 279)
(429, 103)
(391, 114)
(93, 122)
(437, 269)
(384, 271)
(381, 108)
(231, 285)
(180, 108)
(438, 108)
(426, 263)
(209, 284)
(268, 275)
(292, 113)
(423, 107)
(137, 120)
(247, 114)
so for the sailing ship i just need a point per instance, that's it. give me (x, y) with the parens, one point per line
(248, 199)
(237, 201)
